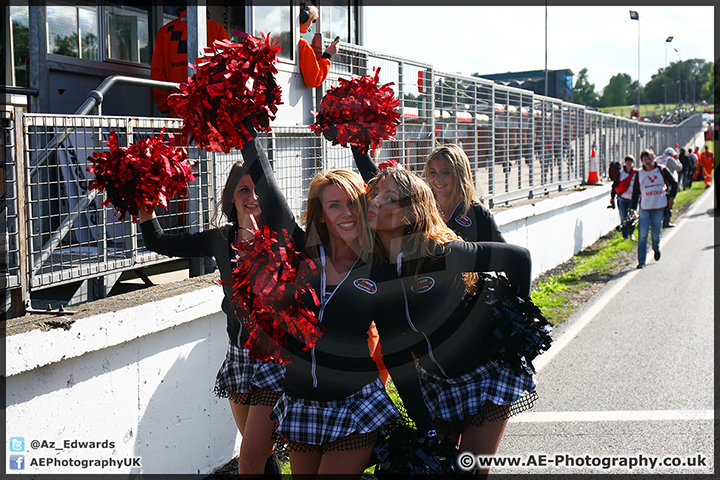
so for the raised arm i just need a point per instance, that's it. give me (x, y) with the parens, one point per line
(366, 166)
(276, 210)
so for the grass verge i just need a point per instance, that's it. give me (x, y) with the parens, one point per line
(558, 295)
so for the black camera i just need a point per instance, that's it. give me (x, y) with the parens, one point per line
(629, 222)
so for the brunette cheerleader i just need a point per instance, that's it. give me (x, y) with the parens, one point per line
(253, 387)
(468, 393)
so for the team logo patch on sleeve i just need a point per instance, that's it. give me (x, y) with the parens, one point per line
(463, 220)
(423, 284)
(366, 285)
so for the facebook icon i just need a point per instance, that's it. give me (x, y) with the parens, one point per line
(17, 462)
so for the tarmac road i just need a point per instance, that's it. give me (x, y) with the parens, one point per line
(629, 379)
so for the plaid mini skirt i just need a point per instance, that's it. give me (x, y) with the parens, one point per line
(322, 422)
(247, 380)
(462, 399)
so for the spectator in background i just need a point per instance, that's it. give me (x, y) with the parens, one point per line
(693, 156)
(706, 163)
(654, 190)
(669, 160)
(170, 59)
(313, 65)
(622, 187)
(685, 172)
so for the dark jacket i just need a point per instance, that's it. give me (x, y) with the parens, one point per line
(340, 363)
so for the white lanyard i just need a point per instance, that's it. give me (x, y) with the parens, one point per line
(323, 286)
(409, 320)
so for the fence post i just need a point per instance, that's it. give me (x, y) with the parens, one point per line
(20, 297)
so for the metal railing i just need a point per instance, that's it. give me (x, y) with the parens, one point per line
(520, 145)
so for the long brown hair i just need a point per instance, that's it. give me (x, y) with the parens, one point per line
(459, 165)
(426, 228)
(316, 232)
(226, 207)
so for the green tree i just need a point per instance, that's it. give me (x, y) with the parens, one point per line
(66, 45)
(584, 91)
(615, 93)
(632, 91)
(707, 92)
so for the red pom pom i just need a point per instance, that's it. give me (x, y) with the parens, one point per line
(387, 164)
(236, 81)
(144, 175)
(271, 289)
(358, 112)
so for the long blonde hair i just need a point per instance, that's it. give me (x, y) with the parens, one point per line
(426, 228)
(459, 164)
(316, 232)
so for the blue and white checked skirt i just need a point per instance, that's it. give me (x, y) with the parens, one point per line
(240, 374)
(319, 422)
(456, 399)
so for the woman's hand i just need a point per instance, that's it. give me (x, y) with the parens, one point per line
(144, 215)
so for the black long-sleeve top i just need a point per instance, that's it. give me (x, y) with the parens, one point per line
(216, 243)
(451, 326)
(340, 363)
(453, 323)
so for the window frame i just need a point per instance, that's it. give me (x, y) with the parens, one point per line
(108, 63)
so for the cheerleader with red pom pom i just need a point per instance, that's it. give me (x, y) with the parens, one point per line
(334, 403)
(252, 386)
(469, 386)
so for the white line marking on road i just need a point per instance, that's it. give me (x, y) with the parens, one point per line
(572, 332)
(616, 416)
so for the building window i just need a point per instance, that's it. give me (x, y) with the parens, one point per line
(123, 34)
(271, 17)
(73, 31)
(127, 33)
(20, 24)
(338, 20)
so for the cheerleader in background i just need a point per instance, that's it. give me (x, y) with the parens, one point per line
(334, 402)
(253, 387)
(447, 171)
(469, 394)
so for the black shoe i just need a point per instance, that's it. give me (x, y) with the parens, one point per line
(640, 265)
(657, 255)
(669, 225)
(272, 465)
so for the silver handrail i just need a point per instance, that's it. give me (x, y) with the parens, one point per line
(95, 98)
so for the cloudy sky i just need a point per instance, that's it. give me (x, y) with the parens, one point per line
(497, 39)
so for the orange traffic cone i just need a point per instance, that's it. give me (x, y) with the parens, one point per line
(593, 176)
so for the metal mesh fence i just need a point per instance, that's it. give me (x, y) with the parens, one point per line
(520, 145)
(72, 235)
